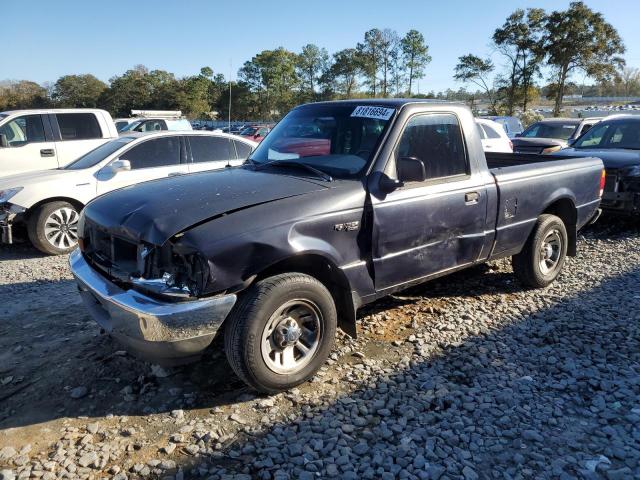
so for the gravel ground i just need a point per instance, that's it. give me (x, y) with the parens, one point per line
(468, 377)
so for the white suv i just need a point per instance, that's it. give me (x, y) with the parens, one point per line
(48, 202)
(50, 138)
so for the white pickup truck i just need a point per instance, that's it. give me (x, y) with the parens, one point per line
(50, 138)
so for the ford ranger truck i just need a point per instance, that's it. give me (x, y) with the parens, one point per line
(341, 204)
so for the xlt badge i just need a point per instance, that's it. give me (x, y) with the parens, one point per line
(347, 227)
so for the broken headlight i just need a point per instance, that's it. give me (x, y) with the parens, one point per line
(172, 270)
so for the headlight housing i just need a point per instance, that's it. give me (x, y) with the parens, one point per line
(173, 271)
(7, 194)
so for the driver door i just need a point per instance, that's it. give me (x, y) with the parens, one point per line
(152, 159)
(430, 226)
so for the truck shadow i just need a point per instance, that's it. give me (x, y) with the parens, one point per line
(553, 389)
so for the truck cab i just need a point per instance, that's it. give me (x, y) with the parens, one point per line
(50, 138)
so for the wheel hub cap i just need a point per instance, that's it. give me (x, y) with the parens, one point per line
(287, 333)
(61, 228)
(291, 336)
(550, 251)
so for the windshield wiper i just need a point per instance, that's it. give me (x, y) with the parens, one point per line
(290, 163)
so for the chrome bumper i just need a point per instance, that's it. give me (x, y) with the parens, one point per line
(158, 331)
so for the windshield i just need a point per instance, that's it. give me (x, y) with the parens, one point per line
(249, 131)
(96, 155)
(338, 139)
(621, 134)
(131, 127)
(561, 131)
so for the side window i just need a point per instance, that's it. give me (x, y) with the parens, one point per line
(483, 135)
(435, 140)
(491, 133)
(158, 152)
(151, 126)
(23, 130)
(78, 126)
(210, 149)
(243, 149)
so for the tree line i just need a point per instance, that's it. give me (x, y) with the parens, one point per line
(273, 81)
(566, 42)
(532, 45)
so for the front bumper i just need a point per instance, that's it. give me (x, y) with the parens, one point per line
(8, 215)
(162, 332)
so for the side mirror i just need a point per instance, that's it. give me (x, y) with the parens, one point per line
(518, 135)
(388, 184)
(120, 166)
(411, 169)
(4, 143)
(571, 141)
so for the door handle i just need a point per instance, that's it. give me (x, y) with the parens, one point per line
(174, 174)
(47, 152)
(471, 198)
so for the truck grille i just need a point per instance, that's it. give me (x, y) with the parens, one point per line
(115, 256)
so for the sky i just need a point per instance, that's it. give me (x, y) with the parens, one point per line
(44, 40)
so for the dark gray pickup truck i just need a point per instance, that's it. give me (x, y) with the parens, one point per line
(341, 204)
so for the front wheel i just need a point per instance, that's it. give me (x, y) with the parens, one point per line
(281, 332)
(542, 258)
(53, 228)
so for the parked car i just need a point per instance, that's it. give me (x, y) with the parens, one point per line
(157, 125)
(153, 121)
(616, 141)
(48, 202)
(50, 138)
(255, 132)
(285, 248)
(493, 136)
(551, 134)
(512, 125)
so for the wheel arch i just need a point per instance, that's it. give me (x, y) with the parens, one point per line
(76, 203)
(329, 274)
(565, 209)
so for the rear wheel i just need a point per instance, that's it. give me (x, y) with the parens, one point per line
(543, 256)
(53, 228)
(281, 331)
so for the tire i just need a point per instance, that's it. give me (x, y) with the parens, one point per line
(541, 260)
(259, 333)
(46, 219)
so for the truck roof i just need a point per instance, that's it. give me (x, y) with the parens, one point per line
(52, 110)
(389, 102)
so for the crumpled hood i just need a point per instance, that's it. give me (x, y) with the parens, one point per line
(611, 157)
(157, 210)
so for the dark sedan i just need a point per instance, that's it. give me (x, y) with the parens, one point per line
(551, 134)
(617, 143)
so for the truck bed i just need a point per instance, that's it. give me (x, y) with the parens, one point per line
(501, 160)
(526, 182)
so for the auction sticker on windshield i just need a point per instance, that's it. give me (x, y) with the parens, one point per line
(379, 113)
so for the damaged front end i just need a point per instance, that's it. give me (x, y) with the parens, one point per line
(149, 297)
(622, 190)
(9, 214)
(172, 270)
